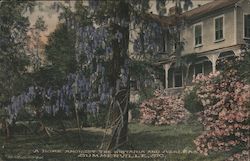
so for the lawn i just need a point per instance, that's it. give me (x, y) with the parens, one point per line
(141, 137)
(176, 137)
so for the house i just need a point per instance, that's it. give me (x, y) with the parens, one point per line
(209, 32)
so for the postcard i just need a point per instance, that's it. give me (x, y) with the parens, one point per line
(124, 80)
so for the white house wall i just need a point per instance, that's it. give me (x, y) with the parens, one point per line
(208, 33)
(244, 7)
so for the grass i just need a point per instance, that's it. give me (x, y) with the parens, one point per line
(175, 137)
(141, 137)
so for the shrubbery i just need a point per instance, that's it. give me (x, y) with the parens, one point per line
(98, 119)
(135, 110)
(225, 98)
(191, 101)
(146, 93)
(163, 110)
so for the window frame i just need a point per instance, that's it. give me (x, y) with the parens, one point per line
(244, 36)
(202, 68)
(175, 73)
(174, 46)
(223, 28)
(195, 25)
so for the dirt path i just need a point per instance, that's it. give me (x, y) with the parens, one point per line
(91, 129)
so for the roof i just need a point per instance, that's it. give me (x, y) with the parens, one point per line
(209, 7)
(163, 20)
(194, 13)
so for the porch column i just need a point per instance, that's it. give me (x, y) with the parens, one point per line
(166, 68)
(213, 58)
(237, 52)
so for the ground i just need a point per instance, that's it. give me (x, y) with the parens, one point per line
(141, 137)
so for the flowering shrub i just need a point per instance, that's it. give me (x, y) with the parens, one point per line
(163, 110)
(242, 156)
(225, 98)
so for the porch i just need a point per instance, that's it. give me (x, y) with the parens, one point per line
(176, 77)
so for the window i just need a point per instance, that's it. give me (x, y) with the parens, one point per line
(198, 34)
(174, 46)
(177, 78)
(133, 85)
(247, 25)
(163, 44)
(170, 78)
(219, 28)
(198, 69)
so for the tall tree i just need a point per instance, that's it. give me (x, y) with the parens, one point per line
(13, 47)
(36, 42)
(60, 58)
(102, 58)
(119, 16)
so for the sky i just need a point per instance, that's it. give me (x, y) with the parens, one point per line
(51, 16)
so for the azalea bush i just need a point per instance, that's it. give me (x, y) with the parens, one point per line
(163, 110)
(225, 99)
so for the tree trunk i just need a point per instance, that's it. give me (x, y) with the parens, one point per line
(7, 130)
(120, 80)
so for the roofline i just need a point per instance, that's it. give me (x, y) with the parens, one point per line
(172, 19)
(197, 17)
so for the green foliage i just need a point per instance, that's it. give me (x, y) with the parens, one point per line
(49, 76)
(240, 64)
(60, 50)
(191, 101)
(135, 110)
(146, 93)
(35, 43)
(25, 114)
(141, 69)
(60, 54)
(174, 137)
(13, 44)
(245, 66)
(94, 120)
(40, 24)
(225, 98)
